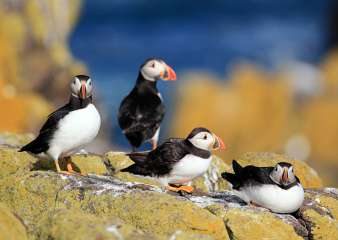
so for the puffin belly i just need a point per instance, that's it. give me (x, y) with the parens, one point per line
(188, 168)
(275, 198)
(76, 129)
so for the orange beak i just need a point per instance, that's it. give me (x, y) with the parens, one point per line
(169, 74)
(83, 90)
(285, 176)
(219, 144)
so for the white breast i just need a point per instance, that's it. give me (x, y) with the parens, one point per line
(188, 168)
(273, 197)
(76, 129)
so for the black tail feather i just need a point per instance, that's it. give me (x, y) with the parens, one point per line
(231, 178)
(138, 157)
(35, 147)
(136, 169)
(236, 167)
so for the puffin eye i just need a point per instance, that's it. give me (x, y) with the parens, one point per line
(153, 65)
(205, 137)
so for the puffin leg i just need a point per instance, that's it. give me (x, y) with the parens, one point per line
(70, 169)
(58, 169)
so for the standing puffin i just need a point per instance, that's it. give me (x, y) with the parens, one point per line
(142, 111)
(177, 161)
(70, 127)
(275, 188)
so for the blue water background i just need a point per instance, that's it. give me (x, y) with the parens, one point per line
(113, 37)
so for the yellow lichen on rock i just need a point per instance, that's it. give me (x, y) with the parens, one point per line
(13, 162)
(308, 176)
(10, 226)
(75, 225)
(245, 225)
(322, 227)
(163, 214)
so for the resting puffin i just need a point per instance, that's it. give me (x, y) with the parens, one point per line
(177, 160)
(142, 111)
(70, 127)
(275, 188)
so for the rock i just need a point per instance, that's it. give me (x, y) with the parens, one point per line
(308, 176)
(70, 224)
(150, 210)
(320, 213)
(255, 224)
(124, 206)
(12, 162)
(117, 160)
(164, 214)
(88, 163)
(212, 180)
(10, 226)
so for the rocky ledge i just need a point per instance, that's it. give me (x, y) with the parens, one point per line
(37, 203)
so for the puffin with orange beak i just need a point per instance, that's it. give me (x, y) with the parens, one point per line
(142, 110)
(275, 188)
(70, 127)
(177, 161)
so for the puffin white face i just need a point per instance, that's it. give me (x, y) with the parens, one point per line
(283, 174)
(155, 69)
(81, 86)
(205, 140)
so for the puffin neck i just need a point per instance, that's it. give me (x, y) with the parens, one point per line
(142, 83)
(196, 151)
(77, 103)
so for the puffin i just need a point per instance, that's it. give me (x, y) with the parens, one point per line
(177, 161)
(142, 110)
(70, 127)
(275, 188)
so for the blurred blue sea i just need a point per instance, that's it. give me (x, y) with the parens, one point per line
(113, 37)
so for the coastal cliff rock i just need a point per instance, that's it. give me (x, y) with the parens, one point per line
(108, 204)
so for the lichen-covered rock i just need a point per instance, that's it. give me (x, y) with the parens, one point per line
(10, 226)
(163, 214)
(117, 160)
(75, 225)
(320, 213)
(13, 162)
(88, 163)
(244, 223)
(307, 175)
(125, 206)
(141, 206)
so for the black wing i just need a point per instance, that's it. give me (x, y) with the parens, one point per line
(141, 113)
(41, 142)
(161, 160)
(247, 175)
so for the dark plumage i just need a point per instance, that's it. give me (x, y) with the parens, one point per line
(142, 110)
(41, 142)
(160, 161)
(252, 175)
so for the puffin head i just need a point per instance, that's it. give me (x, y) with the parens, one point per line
(204, 139)
(154, 69)
(282, 174)
(81, 86)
